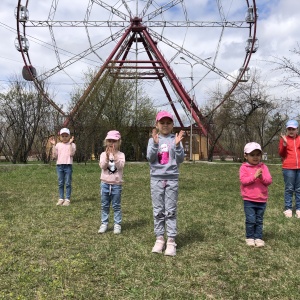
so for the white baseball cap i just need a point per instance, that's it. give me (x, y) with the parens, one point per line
(251, 147)
(64, 130)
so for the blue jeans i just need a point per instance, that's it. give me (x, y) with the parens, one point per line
(111, 193)
(64, 173)
(254, 212)
(292, 185)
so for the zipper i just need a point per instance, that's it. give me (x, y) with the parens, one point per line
(295, 148)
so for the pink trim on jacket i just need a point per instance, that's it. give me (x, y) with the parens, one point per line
(254, 189)
(64, 153)
(106, 175)
(290, 153)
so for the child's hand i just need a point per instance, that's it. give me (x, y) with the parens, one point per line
(155, 135)
(71, 139)
(179, 137)
(258, 173)
(52, 141)
(284, 138)
(110, 150)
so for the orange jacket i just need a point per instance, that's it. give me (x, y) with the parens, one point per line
(290, 153)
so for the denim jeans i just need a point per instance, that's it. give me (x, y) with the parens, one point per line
(64, 173)
(111, 193)
(292, 185)
(254, 212)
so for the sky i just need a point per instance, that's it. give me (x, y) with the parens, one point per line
(277, 33)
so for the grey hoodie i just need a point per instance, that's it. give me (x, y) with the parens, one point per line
(164, 157)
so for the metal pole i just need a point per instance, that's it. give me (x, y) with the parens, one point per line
(192, 96)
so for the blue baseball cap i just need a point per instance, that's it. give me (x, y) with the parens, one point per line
(292, 124)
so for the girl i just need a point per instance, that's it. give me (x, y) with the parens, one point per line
(165, 153)
(111, 162)
(289, 150)
(64, 152)
(255, 179)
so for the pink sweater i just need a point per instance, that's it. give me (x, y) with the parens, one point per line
(254, 189)
(107, 176)
(64, 153)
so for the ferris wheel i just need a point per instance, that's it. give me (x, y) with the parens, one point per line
(139, 40)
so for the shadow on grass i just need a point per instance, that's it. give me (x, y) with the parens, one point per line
(134, 224)
(191, 235)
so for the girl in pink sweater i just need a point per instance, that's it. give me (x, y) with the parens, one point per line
(255, 179)
(64, 152)
(111, 162)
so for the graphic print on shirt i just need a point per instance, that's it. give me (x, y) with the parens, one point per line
(112, 166)
(163, 154)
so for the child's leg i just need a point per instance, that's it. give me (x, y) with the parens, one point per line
(258, 228)
(158, 204)
(61, 180)
(289, 177)
(105, 202)
(297, 189)
(116, 191)
(68, 180)
(171, 197)
(250, 218)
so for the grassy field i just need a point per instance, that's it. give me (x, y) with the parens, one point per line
(49, 252)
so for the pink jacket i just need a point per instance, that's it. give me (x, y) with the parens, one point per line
(112, 171)
(254, 189)
(64, 153)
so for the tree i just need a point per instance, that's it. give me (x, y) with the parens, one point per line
(248, 115)
(21, 110)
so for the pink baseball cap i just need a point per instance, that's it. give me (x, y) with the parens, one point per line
(251, 147)
(113, 135)
(163, 114)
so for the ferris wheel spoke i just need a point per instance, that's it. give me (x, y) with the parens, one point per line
(112, 10)
(80, 55)
(127, 8)
(193, 56)
(144, 11)
(162, 9)
(53, 9)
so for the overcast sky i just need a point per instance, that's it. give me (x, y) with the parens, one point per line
(277, 32)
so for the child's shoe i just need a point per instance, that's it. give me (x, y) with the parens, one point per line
(288, 213)
(117, 229)
(250, 242)
(159, 245)
(66, 202)
(171, 248)
(60, 202)
(102, 228)
(297, 214)
(259, 243)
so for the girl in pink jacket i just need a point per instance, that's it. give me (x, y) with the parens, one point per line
(111, 162)
(255, 179)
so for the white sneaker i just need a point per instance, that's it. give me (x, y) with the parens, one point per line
(117, 229)
(171, 248)
(288, 213)
(60, 202)
(102, 228)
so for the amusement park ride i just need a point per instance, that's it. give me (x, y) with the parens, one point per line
(139, 40)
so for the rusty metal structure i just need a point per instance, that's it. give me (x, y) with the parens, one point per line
(131, 48)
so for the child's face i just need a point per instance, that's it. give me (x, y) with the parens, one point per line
(165, 126)
(253, 157)
(292, 132)
(64, 137)
(112, 144)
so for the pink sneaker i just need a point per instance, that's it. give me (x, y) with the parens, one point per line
(60, 202)
(158, 246)
(297, 214)
(171, 248)
(66, 203)
(250, 242)
(288, 213)
(259, 243)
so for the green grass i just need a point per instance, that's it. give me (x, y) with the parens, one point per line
(50, 252)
